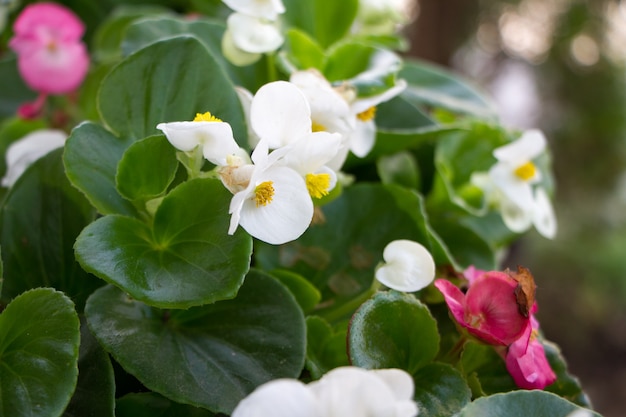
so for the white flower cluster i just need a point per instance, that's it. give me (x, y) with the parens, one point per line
(512, 185)
(252, 30)
(344, 391)
(301, 133)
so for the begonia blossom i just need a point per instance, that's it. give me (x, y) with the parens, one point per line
(23, 152)
(51, 57)
(408, 266)
(513, 184)
(266, 9)
(344, 391)
(488, 310)
(382, 17)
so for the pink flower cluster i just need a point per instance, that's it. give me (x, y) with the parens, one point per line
(494, 309)
(51, 57)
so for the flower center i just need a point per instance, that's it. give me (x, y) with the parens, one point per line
(206, 117)
(317, 127)
(263, 193)
(526, 171)
(318, 184)
(367, 115)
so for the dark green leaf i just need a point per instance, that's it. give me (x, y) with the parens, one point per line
(95, 392)
(39, 338)
(393, 330)
(186, 258)
(210, 356)
(325, 348)
(440, 390)
(147, 168)
(150, 404)
(486, 368)
(305, 293)
(179, 78)
(566, 385)
(14, 91)
(40, 218)
(400, 168)
(90, 158)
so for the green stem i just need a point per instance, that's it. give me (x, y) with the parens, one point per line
(348, 308)
(270, 60)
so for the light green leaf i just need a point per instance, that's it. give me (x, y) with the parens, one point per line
(440, 390)
(303, 51)
(210, 356)
(400, 168)
(185, 258)
(39, 338)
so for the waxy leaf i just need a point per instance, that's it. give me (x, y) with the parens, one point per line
(146, 169)
(440, 390)
(39, 220)
(521, 404)
(210, 356)
(393, 330)
(304, 292)
(90, 158)
(184, 258)
(39, 338)
(150, 404)
(327, 21)
(95, 392)
(179, 78)
(325, 347)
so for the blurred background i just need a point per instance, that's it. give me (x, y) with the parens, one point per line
(560, 66)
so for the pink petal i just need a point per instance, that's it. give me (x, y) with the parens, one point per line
(455, 299)
(48, 19)
(527, 363)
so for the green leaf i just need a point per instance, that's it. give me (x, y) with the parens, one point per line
(186, 258)
(325, 347)
(95, 391)
(39, 338)
(150, 404)
(305, 293)
(400, 168)
(303, 51)
(481, 363)
(436, 87)
(210, 356)
(14, 91)
(440, 390)
(520, 404)
(350, 59)
(147, 168)
(465, 245)
(393, 330)
(167, 92)
(39, 220)
(566, 385)
(342, 265)
(90, 158)
(325, 20)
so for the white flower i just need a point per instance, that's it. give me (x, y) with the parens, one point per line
(23, 152)
(581, 412)
(382, 17)
(512, 185)
(408, 266)
(246, 37)
(344, 391)
(245, 98)
(275, 207)
(266, 9)
(214, 136)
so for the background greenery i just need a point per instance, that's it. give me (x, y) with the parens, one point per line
(559, 66)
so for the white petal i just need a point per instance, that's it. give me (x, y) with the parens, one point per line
(530, 145)
(23, 152)
(399, 381)
(581, 412)
(363, 138)
(279, 398)
(280, 114)
(236, 55)
(513, 188)
(313, 151)
(253, 35)
(245, 98)
(266, 9)
(289, 213)
(408, 266)
(544, 218)
(515, 218)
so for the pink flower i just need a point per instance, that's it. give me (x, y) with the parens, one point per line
(526, 359)
(50, 55)
(489, 310)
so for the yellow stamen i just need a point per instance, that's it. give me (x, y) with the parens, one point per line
(526, 171)
(367, 115)
(317, 127)
(263, 193)
(206, 117)
(318, 184)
